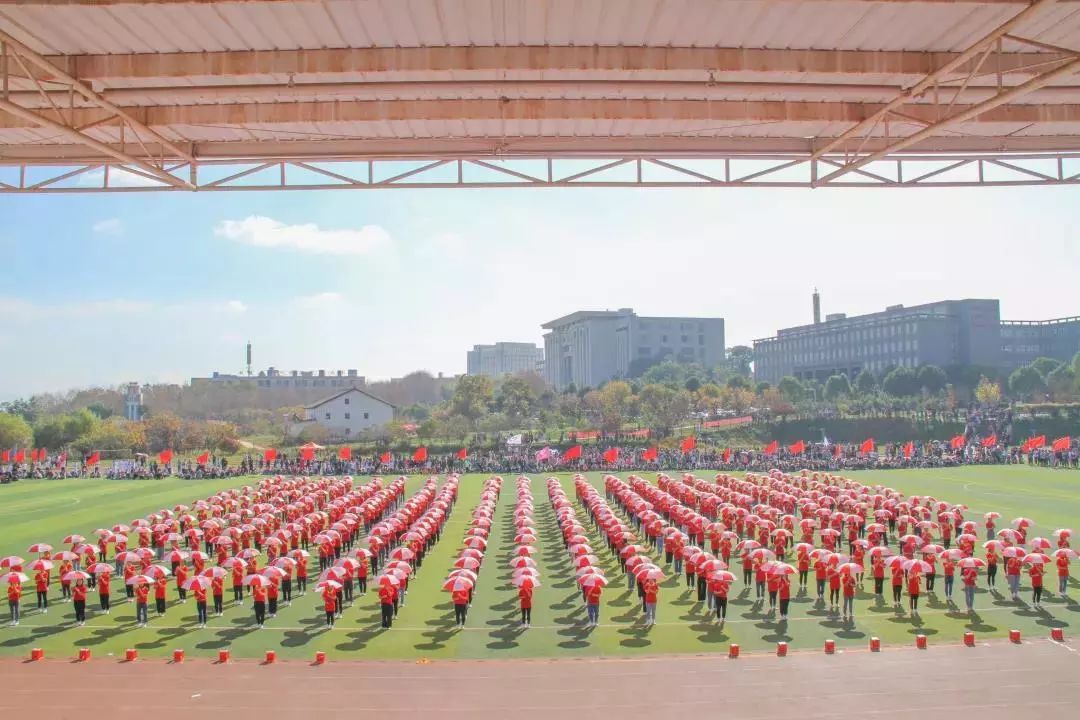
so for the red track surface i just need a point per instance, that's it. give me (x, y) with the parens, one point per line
(1037, 679)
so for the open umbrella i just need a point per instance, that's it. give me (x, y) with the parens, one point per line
(526, 581)
(260, 580)
(972, 562)
(917, 566)
(458, 584)
(213, 572)
(13, 577)
(200, 581)
(850, 568)
(11, 561)
(391, 580)
(326, 585)
(1036, 559)
(1068, 553)
(40, 565)
(140, 580)
(592, 580)
(73, 539)
(40, 548)
(649, 572)
(75, 575)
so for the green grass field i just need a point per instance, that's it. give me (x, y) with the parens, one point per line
(32, 511)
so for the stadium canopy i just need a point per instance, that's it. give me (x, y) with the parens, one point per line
(128, 95)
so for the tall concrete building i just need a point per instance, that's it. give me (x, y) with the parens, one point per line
(504, 358)
(1024, 340)
(590, 347)
(950, 332)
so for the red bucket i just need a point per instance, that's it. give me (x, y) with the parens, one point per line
(37, 654)
(1014, 636)
(271, 657)
(781, 649)
(969, 639)
(223, 656)
(320, 657)
(830, 647)
(178, 656)
(84, 654)
(1057, 634)
(131, 655)
(875, 644)
(733, 651)
(920, 642)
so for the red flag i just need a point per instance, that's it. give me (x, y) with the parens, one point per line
(611, 455)
(20, 455)
(1037, 442)
(345, 453)
(270, 455)
(957, 442)
(727, 454)
(42, 454)
(462, 454)
(420, 455)
(688, 444)
(772, 447)
(652, 453)
(798, 448)
(5, 456)
(94, 459)
(989, 442)
(307, 454)
(572, 453)
(204, 458)
(165, 457)
(384, 458)
(33, 455)
(909, 449)
(868, 446)
(1061, 444)
(836, 450)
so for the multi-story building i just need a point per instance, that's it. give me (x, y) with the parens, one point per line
(1024, 340)
(274, 379)
(346, 413)
(504, 358)
(590, 347)
(950, 332)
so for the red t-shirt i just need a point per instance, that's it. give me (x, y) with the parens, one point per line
(1063, 567)
(849, 586)
(387, 593)
(42, 580)
(258, 592)
(592, 595)
(200, 593)
(914, 585)
(159, 589)
(650, 591)
(1036, 572)
(14, 592)
(525, 596)
(78, 592)
(217, 586)
(142, 592)
(460, 597)
(103, 584)
(330, 599)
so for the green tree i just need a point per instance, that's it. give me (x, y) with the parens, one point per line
(837, 387)
(987, 392)
(516, 398)
(1044, 365)
(932, 379)
(739, 358)
(663, 408)
(49, 432)
(1026, 381)
(114, 434)
(901, 382)
(865, 382)
(615, 401)
(791, 388)
(456, 427)
(164, 431)
(1061, 382)
(692, 384)
(472, 397)
(14, 431)
(79, 423)
(26, 409)
(668, 372)
(102, 411)
(739, 382)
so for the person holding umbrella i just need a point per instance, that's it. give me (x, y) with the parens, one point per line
(14, 594)
(850, 583)
(217, 590)
(785, 596)
(1013, 563)
(914, 587)
(525, 595)
(991, 562)
(142, 593)
(198, 589)
(719, 585)
(592, 603)
(238, 581)
(181, 572)
(258, 596)
(78, 598)
(130, 572)
(65, 585)
(1036, 572)
(329, 595)
(161, 584)
(104, 578)
(652, 589)
(1062, 556)
(41, 582)
(387, 596)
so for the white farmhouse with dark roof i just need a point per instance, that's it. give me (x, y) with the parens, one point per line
(347, 413)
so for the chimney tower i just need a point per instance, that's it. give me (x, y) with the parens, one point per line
(817, 309)
(249, 358)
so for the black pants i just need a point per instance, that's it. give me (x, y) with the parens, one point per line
(897, 590)
(784, 602)
(834, 596)
(930, 578)
(747, 576)
(526, 615)
(879, 584)
(42, 599)
(348, 588)
(701, 588)
(915, 602)
(65, 590)
(80, 611)
(772, 598)
(129, 591)
(140, 613)
(362, 582)
(260, 612)
(273, 606)
(329, 618)
(387, 614)
(991, 574)
(802, 577)
(237, 593)
(286, 590)
(721, 607)
(159, 605)
(459, 613)
(301, 582)
(200, 610)
(1036, 594)
(181, 593)
(104, 600)
(219, 601)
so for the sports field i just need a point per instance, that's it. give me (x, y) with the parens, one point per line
(45, 511)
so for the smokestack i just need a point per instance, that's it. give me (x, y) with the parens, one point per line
(817, 307)
(249, 358)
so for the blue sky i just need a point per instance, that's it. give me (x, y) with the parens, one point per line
(101, 289)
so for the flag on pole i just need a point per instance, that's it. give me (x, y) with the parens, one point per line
(385, 458)
(772, 447)
(543, 455)
(514, 439)
(307, 454)
(688, 444)
(165, 456)
(1061, 444)
(651, 454)
(836, 450)
(33, 455)
(345, 453)
(611, 455)
(270, 455)
(204, 458)
(957, 442)
(989, 442)
(797, 448)
(727, 454)
(462, 454)
(909, 449)
(420, 455)
(573, 453)
(94, 459)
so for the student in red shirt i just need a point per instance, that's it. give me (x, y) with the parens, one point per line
(651, 591)
(41, 581)
(948, 567)
(238, 584)
(461, 606)
(78, 599)
(142, 592)
(849, 583)
(719, 588)
(1012, 575)
(65, 585)
(387, 595)
(821, 573)
(1036, 572)
(1063, 575)
(525, 594)
(14, 595)
(878, 568)
(272, 596)
(785, 596)
(914, 587)
(217, 589)
(330, 605)
(969, 577)
(991, 568)
(130, 571)
(592, 604)
(897, 583)
(834, 590)
(804, 567)
(104, 592)
(200, 603)
(773, 583)
(301, 574)
(181, 578)
(258, 596)
(160, 586)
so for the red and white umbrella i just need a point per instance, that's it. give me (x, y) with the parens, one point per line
(592, 580)
(918, 566)
(98, 568)
(972, 562)
(75, 575)
(40, 548)
(1036, 559)
(140, 580)
(649, 572)
(524, 550)
(214, 572)
(1022, 522)
(391, 580)
(781, 569)
(65, 555)
(11, 561)
(1040, 543)
(1011, 552)
(39, 564)
(73, 539)
(13, 577)
(850, 568)
(200, 581)
(457, 584)
(177, 556)
(323, 586)
(1067, 553)
(257, 580)
(402, 553)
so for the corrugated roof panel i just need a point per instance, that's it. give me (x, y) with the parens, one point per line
(377, 24)
(348, 22)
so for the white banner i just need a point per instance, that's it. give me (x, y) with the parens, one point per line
(514, 439)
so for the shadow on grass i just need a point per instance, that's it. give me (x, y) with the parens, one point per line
(225, 638)
(506, 638)
(578, 637)
(437, 638)
(638, 636)
(34, 635)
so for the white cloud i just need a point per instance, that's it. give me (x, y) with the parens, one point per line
(117, 178)
(320, 301)
(261, 231)
(111, 226)
(236, 306)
